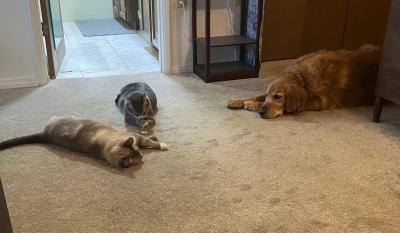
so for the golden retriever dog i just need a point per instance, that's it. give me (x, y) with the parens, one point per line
(319, 81)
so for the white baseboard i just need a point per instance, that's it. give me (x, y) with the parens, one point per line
(19, 82)
(182, 69)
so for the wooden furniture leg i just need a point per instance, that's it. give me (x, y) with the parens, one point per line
(378, 109)
(5, 222)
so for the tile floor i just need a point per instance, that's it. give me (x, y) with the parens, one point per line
(105, 55)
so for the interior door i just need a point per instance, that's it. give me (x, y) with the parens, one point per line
(53, 33)
(146, 16)
(154, 23)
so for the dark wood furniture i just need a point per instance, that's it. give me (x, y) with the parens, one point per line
(5, 222)
(128, 11)
(310, 25)
(205, 46)
(149, 24)
(366, 23)
(388, 86)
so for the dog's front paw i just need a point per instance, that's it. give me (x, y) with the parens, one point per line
(235, 104)
(163, 146)
(251, 106)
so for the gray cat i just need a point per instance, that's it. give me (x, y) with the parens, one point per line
(94, 138)
(138, 102)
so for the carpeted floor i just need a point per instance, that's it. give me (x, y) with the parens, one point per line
(226, 171)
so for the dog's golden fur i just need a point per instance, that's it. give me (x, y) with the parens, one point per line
(319, 81)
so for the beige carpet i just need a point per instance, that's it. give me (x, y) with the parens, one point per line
(226, 171)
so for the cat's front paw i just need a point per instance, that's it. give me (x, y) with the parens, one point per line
(163, 146)
(154, 138)
(144, 132)
(149, 123)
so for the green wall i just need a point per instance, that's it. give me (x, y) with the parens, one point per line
(72, 10)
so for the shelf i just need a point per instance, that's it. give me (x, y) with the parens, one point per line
(226, 71)
(221, 41)
(204, 53)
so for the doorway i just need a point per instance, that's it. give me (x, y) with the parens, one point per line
(103, 37)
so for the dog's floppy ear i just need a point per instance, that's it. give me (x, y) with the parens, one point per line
(299, 79)
(295, 98)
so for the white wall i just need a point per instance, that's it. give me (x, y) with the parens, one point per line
(181, 48)
(72, 10)
(18, 63)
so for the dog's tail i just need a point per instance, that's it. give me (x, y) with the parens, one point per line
(369, 48)
(34, 138)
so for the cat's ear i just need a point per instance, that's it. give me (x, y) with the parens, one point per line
(146, 101)
(117, 99)
(146, 104)
(129, 142)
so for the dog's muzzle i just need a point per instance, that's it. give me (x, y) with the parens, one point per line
(263, 112)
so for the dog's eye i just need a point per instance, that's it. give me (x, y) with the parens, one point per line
(277, 96)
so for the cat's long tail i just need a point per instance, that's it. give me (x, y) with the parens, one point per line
(34, 138)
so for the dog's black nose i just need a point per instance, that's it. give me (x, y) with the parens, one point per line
(262, 112)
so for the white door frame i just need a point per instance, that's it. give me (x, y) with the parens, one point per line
(165, 35)
(41, 57)
(33, 13)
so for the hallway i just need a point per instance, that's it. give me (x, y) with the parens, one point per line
(106, 55)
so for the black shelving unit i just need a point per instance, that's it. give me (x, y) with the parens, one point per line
(203, 47)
